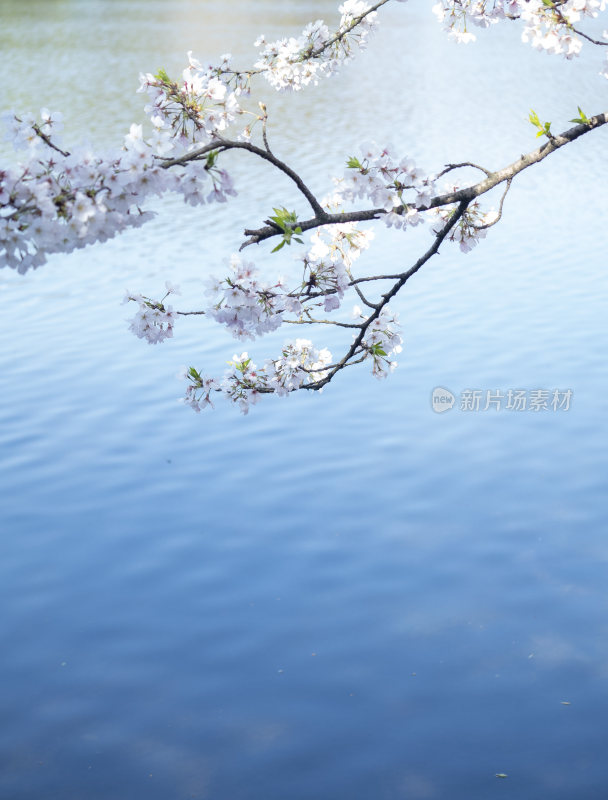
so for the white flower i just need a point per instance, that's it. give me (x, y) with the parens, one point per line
(171, 288)
(134, 139)
(331, 302)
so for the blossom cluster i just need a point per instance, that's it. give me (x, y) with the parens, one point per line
(327, 262)
(154, 320)
(196, 109)
(470, 228)
(250, 307)
(299, 363)
(396, 185)
(247, 306)
(292, 63)
(55, 201)
(548, 24)
(549, 27)
(404, 191)
(243, 384)
(381, 340)
(456, 14)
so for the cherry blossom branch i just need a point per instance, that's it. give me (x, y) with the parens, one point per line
(341, 34)
(387, 297)
(563, 20)
(266, 154)
(469, 193)
(525, 161)
(52, 207)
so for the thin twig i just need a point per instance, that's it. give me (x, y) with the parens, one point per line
(368, 278)
(47, 140)
(264, 120)
(588, 38)
(499, 217)
(362, 297)
(332, 366)
(311, 321)
(450, 167)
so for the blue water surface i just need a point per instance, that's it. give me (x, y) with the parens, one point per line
(344, 595)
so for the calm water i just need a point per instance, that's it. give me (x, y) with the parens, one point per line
(339, 596)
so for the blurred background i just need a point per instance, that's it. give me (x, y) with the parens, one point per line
(344, 595)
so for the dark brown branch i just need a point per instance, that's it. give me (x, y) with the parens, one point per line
(266, 155)
(260, 234)
(463, 197)
(368, 278)
(588, 38)
(468, 193)
(192, 155)
(386, 298)
(362, 297)
(518, 166)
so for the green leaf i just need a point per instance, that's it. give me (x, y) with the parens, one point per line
(284, 219)
(544, 128)
(582, 118)
(212, 158)
(354, 163)
(287, 222)
(241, 366)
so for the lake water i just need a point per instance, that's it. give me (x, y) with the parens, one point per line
(338, 596)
